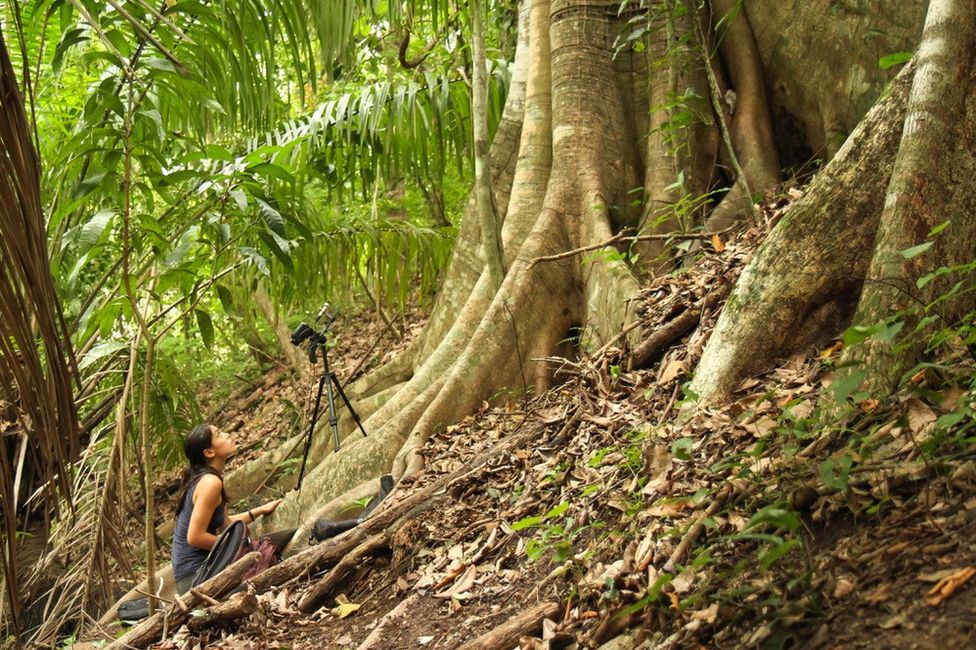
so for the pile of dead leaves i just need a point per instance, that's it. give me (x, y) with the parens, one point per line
(753, 525)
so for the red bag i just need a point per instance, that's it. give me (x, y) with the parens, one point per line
(270, 555)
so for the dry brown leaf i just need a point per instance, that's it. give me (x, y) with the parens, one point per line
(843, 587)
(461, 586)
(948, 585)
(868, 405)
(833, 349)
(880, 593)
(346, 609)
(708, 615)
(675, 603)
(921, 417)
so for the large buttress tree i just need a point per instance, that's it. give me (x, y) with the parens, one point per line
(880, 236)
(619, 116)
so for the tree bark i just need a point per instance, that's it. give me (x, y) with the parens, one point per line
(239, 606)
(804, 280)
(924, 192)
(490, 241)
(321, 589)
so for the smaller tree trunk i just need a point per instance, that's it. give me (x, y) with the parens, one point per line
(490, 238)
(296, 360)
(922, 186)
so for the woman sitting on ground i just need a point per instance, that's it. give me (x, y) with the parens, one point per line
(200, 514)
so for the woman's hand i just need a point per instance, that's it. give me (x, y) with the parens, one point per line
(267, 508)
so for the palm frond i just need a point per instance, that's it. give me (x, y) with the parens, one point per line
(35, 375)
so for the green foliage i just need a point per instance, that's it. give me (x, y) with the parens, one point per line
(194, 154)
(895, 58)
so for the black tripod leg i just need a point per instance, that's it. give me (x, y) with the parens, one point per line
(333, 418)
(311, 426)
(352, 411)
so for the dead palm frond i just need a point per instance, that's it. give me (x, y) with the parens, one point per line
(38, 419)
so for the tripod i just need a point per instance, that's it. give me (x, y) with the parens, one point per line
(328, 383)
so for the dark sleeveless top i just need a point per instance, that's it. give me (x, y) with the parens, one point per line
(187, 558)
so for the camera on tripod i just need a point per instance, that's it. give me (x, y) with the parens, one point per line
(304, 331)
(327, 380)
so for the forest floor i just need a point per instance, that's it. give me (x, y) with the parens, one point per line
(644, 524)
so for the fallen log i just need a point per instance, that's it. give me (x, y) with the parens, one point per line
(149, 630)
(321, 589)
(328, 553)
(236, 607)
(507, 634)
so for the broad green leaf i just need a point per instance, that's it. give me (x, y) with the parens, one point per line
(527, 522)
(942, 226)
(280, 247)
(896, 58)
(834, 473)
(273, 170)
(93, 230)
(271, 217)
(777, 516)
(254, 257)
(768, 557)
(88, 186)
(557, 510)
(681, 448)
(226, 300)
(847, 383)
(100, 351)
(206, 327)
(915, 251)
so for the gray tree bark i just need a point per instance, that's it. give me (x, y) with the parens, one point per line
(930, 185)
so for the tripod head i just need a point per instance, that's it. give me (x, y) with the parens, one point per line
(305, 331)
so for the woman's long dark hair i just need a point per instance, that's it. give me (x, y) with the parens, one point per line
(199, 439)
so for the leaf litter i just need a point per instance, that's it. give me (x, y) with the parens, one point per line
(657, 526)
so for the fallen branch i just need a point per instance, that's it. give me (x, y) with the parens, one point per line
(320, 590)
(328, 553)
(672, 331)
(507, 634)
(676, 328)
(623, 237)
(150, 630)
(691, 536)
(236, 607)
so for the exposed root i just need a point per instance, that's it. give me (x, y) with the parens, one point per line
(507, 634)
(324, 587)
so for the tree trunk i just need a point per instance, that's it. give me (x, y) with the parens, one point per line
(891, 184)
(582, 128)
(485, 207)
(296, 360)
(924, 192)
(804, 280)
